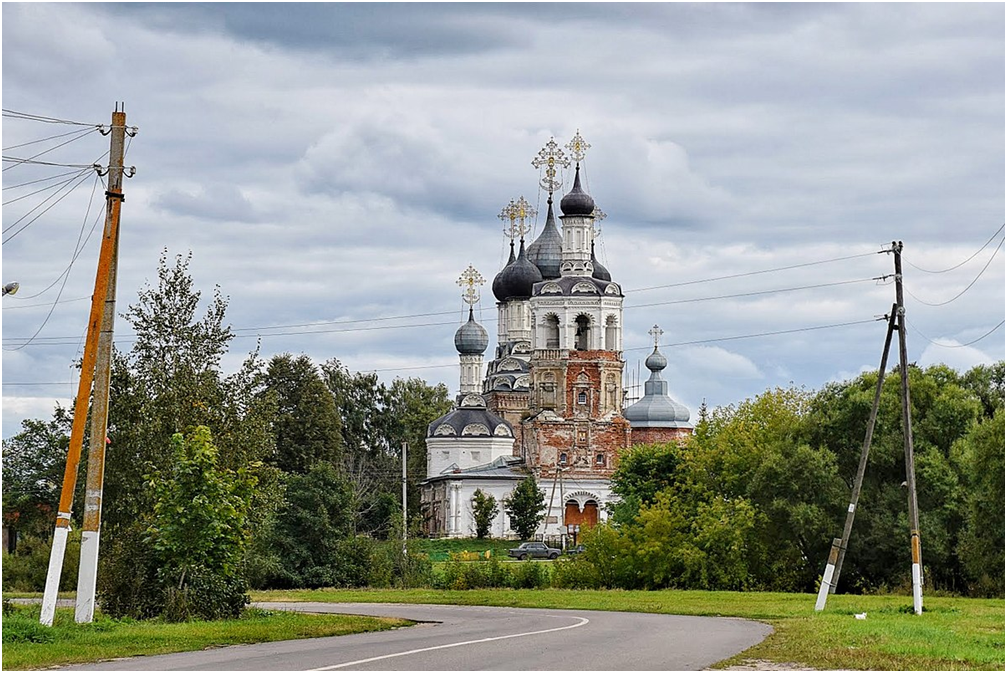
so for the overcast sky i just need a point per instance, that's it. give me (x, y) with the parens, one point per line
(328, 163)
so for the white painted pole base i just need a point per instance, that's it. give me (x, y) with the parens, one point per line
(917, 589)
(53, 575)
(823, 591)
(87, 577)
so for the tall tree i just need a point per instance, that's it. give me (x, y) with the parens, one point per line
(525, 506)
(305, 421)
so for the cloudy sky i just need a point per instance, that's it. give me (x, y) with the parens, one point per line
(329, 165)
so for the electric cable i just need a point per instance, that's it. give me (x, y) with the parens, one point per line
(14, 114)
(760, 334)
(915, 329)
(967, 287)
(969, 259)
(32, 158)
(42, 140)
(77, 184)
(43, 163)
(32, 182)
(45, 189)
(758, 292)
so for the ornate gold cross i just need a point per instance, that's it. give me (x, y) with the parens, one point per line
(469, 279)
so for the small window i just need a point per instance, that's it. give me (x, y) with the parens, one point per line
(581, 398)
(562, 459)
(600, 459)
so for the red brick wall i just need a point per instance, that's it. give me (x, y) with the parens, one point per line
(659, 435)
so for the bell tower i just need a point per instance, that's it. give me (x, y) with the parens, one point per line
(575, 423)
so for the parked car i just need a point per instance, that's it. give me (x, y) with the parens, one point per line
(579, 549)
(534, 550)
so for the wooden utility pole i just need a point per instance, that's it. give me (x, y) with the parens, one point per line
(99, 339)
(907, 435)
(862, 467)
(834, 566)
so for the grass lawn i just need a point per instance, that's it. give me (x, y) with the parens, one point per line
(29, 645)
(952, 633)
(438, 549)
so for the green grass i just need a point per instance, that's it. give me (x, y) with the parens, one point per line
(29, 645)
(951, 634)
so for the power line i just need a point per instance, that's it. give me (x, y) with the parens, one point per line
(64, 301)
(759, 292)
(967, 287)
(915, 329)
(969, 259)
(32, 158)
(66, 276)
(78, 183)
(14, 114)
(44, 163)
(42, 140)
(755, 273)
(32, 182)
(45, 189)
(760, 334)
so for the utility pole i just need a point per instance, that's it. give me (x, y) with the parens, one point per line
(405, 520)
(834, 566)
(99, 338)
(907, 434)
(862, 467)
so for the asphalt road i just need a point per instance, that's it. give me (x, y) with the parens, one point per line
(453, 638)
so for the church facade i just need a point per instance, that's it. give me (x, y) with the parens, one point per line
(550, 402)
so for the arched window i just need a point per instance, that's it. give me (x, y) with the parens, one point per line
(600, 459)
(611, 334)
(551, 331)
(582, 336)
(562, 459)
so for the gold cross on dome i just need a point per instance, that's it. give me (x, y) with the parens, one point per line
(469, 279)
(550, 156)
(517, 213)
(578, 147)
(655, 332)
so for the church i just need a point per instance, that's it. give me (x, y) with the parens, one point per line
(551, 401)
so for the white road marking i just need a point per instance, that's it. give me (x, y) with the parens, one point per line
(582, 621)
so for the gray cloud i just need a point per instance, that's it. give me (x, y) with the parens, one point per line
(331, 162)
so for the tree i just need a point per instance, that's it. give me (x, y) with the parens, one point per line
(312, 535)
(484, 509)
(525, 507)
(185, 559)
(305, 420)
(33, 465)
(980, 455)
(644, 471)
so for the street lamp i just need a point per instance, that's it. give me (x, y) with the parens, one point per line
(10, 288)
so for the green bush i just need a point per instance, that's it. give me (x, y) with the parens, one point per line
(22, 626)
(25, 569)
(529, 575)
(575, 572)
(203, 594)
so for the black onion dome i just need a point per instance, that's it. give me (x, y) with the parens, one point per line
(498, 289)
(577, 202)
(471, 338)
(600, 272)
(547, 251)
(517, 279)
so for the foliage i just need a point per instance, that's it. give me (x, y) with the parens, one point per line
(376, 421)
(644, 470)
(484, 509)
(26, 569)
(525, 506)
(198, 531)
(305, 421)
(312, 533)
(33, 464)
(980, 455)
